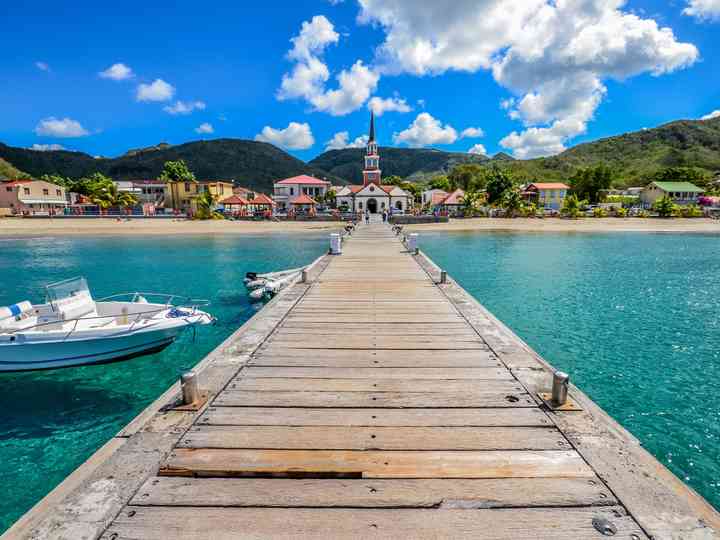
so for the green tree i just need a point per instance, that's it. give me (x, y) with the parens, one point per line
(467, 176)
(440, 182)
(176, 171)
(392, 180)
(572, 206)
(57, 180)
(206, 206)
(511, 202)
(681, 174)
(665, 207)
(470, 201)
(411, 188)
(588, 183)
(498, 183)
(104, 192)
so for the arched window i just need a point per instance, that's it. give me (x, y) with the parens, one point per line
(398, 205)
(382, 205)
(360, 205)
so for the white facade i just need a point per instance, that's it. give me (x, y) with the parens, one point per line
(286, 190)
(373, 198)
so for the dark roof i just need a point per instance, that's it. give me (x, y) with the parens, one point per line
(372, 127)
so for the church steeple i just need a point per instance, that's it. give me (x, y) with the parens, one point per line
(371, 171)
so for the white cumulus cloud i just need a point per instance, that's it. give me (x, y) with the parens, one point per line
(47, 147)
(703, 9)
(472, 133)
(310, 74)
(424, 131)
(478, 149)
(117, 72)
(714, 114)
(205, 128)
(380, 105)
(553, 55)
(60, 127)
(294, 137)
(342, 140)
(184, 107)
(158, 90)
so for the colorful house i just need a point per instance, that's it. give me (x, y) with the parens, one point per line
(302, 204)
(548, 195)
(682, 193)
(451, 203)
(182, 195)
(31, 197)
(285, 191)
(432, 197)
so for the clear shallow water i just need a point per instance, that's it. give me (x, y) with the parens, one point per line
(634, 319)
(52, 421)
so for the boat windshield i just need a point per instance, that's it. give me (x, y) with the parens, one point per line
(55, 293)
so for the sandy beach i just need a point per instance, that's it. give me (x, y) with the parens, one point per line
(161, 227)
(10, 227)
(586, 225)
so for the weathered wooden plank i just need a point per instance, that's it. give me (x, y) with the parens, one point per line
(374, 438)
(243, 398)
(369, 340)
(376, 463)
(160, 523)
(358, 493)
(374, 373)
(270, 350)
(270, 416)
(483, 360)
(375, 385)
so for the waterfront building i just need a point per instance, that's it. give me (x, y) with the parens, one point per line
(183, 195)
(547, 195)
(432, 197)
(452, 202)
(682, 193)
(302, 205)
(289, 189)
(373, 196)
(31, 197)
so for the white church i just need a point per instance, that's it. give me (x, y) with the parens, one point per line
(373, 196)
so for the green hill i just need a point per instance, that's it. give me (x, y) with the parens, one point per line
(8, 172)
(633, 157)
(411, 163)
(250, 163)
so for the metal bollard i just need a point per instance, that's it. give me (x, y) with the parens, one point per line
(305, 278)
(443, 276)
(560, 388)
(335, 244)
(190, 388)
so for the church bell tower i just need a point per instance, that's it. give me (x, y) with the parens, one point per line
(371, 171)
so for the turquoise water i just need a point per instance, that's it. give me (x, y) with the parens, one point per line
(634, 319)
(52, 421)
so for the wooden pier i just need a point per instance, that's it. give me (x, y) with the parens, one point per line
(372, 402)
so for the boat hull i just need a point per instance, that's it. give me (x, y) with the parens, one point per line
(70, 353)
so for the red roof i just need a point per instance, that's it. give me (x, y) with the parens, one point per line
(234, 199)
(303, 199)
(454, 197)
(261, 198)
(17, 182)
(438, 197)
(548, 185)
(304, 179)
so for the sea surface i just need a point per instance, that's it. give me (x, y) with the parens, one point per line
(633, 317)
(52, 421)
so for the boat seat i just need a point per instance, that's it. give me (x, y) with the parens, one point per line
(76, 307)
(16, 312)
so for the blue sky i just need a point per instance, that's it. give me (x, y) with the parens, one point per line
(453, 74)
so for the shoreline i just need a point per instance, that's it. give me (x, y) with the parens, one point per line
(25, 228)
(584, 225)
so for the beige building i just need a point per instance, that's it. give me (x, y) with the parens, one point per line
(182, 195)
(31, 197)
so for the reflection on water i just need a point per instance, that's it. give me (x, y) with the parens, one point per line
(52, 421)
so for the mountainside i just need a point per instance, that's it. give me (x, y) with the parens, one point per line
(8, 172)
(633, 157)
(410, 163)
(252, 164)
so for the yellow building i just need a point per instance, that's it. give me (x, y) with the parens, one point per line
(182, 195)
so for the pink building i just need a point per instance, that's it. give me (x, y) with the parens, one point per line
(31, 197)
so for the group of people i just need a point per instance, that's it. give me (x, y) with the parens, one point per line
(384, 216)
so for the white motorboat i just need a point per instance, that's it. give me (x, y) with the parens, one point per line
(265, 286)
(71, 329)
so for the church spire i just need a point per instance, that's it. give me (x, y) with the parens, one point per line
(371, 171)
(372, 127)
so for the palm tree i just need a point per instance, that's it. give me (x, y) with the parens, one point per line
(206, 206)
(512, 202)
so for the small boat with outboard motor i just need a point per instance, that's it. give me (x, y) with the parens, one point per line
(72, 329)
(265, 286)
